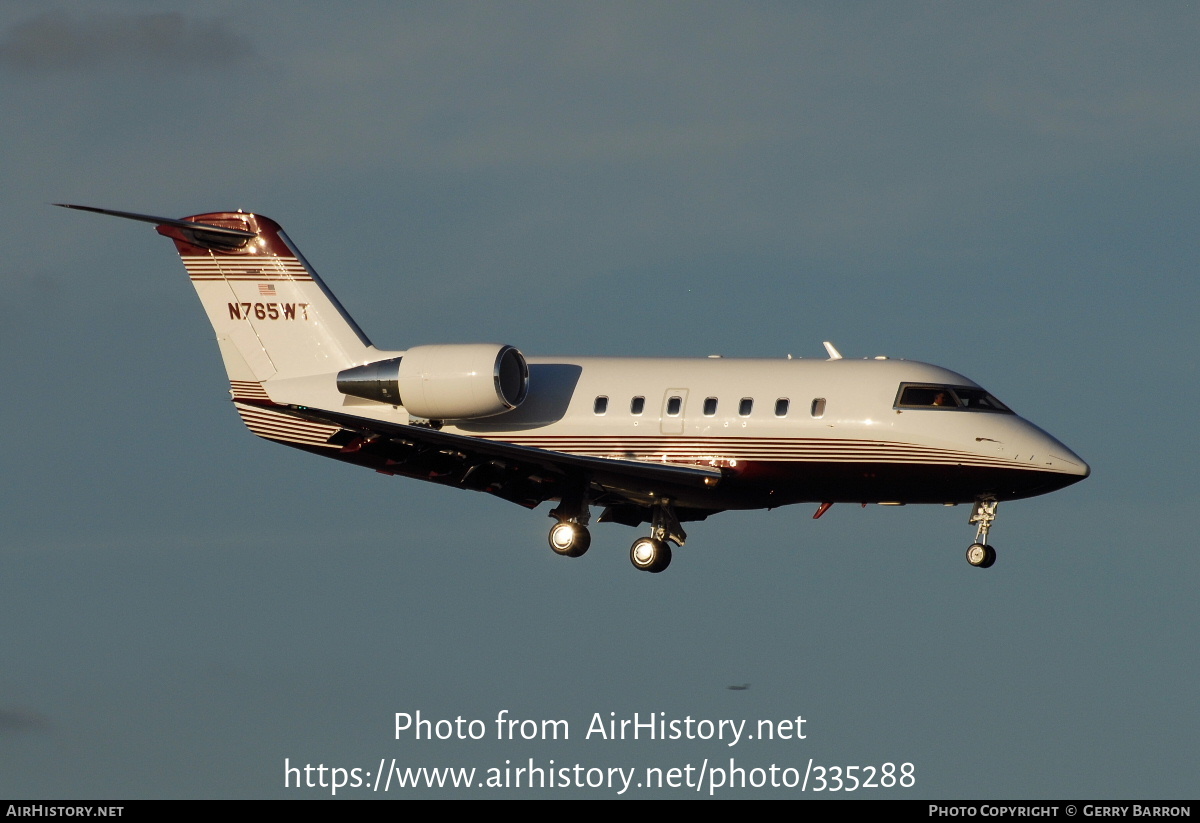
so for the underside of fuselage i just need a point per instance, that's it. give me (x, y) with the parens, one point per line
(751, 485)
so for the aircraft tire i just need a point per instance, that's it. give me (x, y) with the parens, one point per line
(569, 539)
(650, 555)
(981, 556)
(990, 560)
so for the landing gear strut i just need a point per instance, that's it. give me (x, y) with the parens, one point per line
(653, 553)
(980, 553)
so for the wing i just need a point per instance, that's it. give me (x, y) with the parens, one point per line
(522, 474)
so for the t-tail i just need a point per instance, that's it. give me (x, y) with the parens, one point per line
(273, 317)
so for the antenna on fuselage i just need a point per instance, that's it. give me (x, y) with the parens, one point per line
(834, 354)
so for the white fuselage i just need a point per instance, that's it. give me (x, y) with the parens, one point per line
(787, 430)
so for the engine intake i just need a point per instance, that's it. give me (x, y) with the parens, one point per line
(451, 382)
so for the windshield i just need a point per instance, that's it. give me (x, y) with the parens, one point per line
(962, 398)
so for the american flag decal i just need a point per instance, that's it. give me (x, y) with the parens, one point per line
(266, 289)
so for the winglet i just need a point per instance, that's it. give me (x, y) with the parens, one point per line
(834, 354)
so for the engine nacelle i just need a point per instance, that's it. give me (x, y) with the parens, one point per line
(451, 382)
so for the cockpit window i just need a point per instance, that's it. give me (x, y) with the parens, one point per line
(923, 396)
(979, 400)
(962, 398)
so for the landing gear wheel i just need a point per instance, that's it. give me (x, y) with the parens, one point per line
(981, 555)
(650, 555)
(991, 558)
(569, 539)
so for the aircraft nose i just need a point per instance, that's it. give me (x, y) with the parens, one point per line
(1058, 458)
(1054, 456)
(1064, 460)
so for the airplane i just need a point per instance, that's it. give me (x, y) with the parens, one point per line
(649, 440)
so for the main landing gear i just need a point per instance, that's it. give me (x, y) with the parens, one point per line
(569, 536)
(980, 553)
(650, 554)
(653, 553)
(569, 539)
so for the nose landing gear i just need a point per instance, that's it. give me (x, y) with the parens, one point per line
(980, 554)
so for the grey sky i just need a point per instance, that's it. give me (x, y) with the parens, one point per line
(62, 41)
(1007, 190)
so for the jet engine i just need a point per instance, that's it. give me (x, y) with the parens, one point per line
(450, 382)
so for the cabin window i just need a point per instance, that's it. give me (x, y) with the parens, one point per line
(746, 406)
(673, 406)
(818, 407)
(781, 407)
(637, 405)
(710, 406)
(601, 405)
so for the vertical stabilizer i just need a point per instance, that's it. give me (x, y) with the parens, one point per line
(272, 315)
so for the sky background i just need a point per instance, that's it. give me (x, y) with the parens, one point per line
(1006, 190)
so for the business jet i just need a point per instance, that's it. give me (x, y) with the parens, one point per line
(649, 441)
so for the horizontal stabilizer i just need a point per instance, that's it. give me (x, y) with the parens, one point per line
(203, 234)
